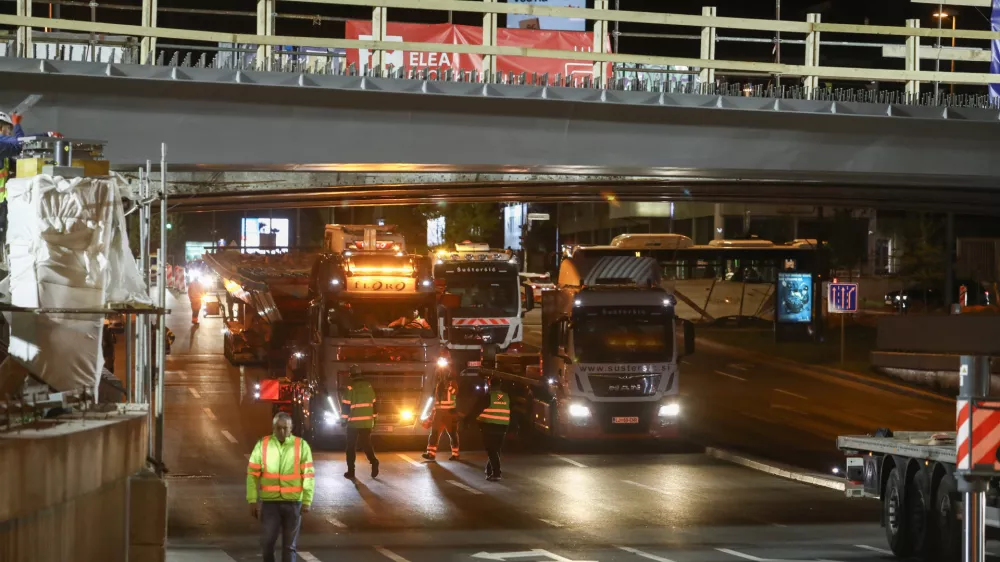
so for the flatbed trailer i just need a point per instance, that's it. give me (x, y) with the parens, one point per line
(913, 474)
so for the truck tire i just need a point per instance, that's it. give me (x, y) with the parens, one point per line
(894, 515)
(947, 527)
(918, 516)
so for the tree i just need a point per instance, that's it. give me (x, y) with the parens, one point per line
(920, 261)
(175, 234)
(465, 221)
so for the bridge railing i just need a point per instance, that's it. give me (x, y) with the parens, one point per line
(265, 50)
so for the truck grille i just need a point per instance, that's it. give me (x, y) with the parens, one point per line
(622, 386)
(392, 402)
(479, 335)
(389, 381)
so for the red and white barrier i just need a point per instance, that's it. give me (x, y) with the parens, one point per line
(984, 432)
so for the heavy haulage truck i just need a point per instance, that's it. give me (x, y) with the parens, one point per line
(608, 367)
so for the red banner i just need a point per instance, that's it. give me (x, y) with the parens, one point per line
(471, 35)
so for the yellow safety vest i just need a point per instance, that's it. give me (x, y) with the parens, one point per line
(283, 470)
(499, 410)
(445, 398)
(358, 406)
(4, 175)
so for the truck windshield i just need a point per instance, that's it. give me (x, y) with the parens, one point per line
(382, 319)
(624, 339)
(487, 296)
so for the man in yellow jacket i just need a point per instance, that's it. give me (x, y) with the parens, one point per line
(282, 466)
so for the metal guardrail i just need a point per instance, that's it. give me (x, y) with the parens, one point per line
(267, 59)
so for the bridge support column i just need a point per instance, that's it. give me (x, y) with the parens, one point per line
(24, 42)
(380, 18)
(600, 35)
(489, 40)
(812, 56)
(147, 48)
(708, 39)
(265, 26)
(913, 60)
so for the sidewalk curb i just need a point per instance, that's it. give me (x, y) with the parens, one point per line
(779, 470)
(815, 370)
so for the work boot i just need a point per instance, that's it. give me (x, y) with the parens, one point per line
(349, 474)
(375, 469)
(453, 457)
(494, 478)
(428, 456)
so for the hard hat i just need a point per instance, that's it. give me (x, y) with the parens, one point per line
(4, 118)
(355, 371)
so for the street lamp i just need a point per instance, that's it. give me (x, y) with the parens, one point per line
(941, 16)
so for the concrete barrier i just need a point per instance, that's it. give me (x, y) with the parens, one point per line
(65, 492)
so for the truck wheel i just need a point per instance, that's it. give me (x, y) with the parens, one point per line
(947, 531)
(918, 508)
(894, 516)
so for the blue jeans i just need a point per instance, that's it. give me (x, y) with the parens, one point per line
(280, 517)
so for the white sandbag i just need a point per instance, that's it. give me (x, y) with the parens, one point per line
(67, 250)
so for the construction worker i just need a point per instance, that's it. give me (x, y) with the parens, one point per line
(195, 294)
(358, 412)
(444, 419)
(282, 465)
(10, 148)
(492, 411)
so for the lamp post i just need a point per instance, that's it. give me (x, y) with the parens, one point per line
(942, 15)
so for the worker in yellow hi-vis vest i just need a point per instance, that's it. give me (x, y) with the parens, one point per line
(282, 466)
(492, 411)
(358, 411)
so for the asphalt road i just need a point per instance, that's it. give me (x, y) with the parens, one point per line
(565, 506)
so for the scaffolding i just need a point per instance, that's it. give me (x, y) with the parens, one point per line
(144, 325)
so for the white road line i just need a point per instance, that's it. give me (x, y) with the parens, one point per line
(465, 487)
(336, 522)
(307, 556)
(685, 362)
(194, 392)
(638, 552)
(551, 522)
(570, 461)
(874, 549)
(390, 554)
(738, 367)
(914, 414)
(408, 459)
(199, 555)
(741, 555)
(229, 436)
(657, 490)
(791, 394)
(731, 376)
(209, 414)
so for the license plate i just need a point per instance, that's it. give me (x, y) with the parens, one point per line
(474, 364)
(382, 429)
(625, 420)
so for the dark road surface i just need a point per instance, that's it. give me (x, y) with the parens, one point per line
(563, 506)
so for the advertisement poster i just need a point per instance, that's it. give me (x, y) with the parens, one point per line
(521, 21)
(446, 33)
(261, 235)
(795, 298)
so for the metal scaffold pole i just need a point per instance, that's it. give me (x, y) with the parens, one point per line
(161, 339)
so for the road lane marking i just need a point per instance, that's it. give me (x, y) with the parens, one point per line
(307, 556)
(657, 490)
(551, 522)
(408, 459)
(685, 362)
(874, 549)
(731, 376)
(737, 366)
(229, 436)
(791, 394)
(465, 487)
(741, 555)
(336, 522)
(919, 414)
(209, 414)
(194, 392)
(789, 408)
(638, 552)
(390, 554)
(570, 461)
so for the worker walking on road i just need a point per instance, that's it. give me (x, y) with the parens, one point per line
(492, 411)
(358, 412)
(195, 293)
(282, 465)
(444, 419)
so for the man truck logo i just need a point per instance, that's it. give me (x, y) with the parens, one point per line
(378, 285)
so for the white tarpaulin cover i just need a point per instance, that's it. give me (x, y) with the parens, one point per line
(68, 249)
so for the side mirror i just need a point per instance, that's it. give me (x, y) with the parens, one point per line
(688, 346)
(529, 298)
(566, 358)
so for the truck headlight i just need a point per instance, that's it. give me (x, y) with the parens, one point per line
(329, 418)
(671, 410)
(406, 416)
(442, 362)
(578, 411)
